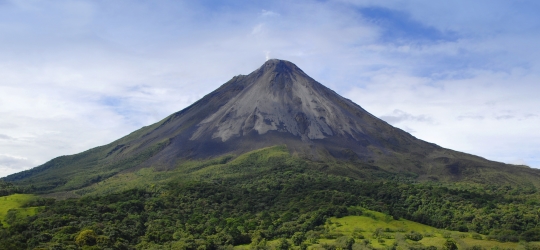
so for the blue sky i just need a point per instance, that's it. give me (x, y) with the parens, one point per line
(78, 74)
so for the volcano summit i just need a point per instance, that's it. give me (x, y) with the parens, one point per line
(277, 104)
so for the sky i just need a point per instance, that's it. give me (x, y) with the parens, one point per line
(79, 74)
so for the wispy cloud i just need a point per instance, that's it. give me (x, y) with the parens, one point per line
(400, 28)
(473, 117)
(268, 13)
(5, 137)
(398, 116)
(257, 29)
(505, 117)
(11, 163)
(80, 74)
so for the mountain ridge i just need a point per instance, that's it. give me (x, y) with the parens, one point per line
(277, 104)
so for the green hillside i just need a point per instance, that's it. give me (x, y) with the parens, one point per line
(12, 207)
(378, 230)
(267, 197)
(375, 230)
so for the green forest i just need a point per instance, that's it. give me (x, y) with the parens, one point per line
(266, 199)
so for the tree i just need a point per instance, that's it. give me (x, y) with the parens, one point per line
(416, 236)
(531, 235)
(11, 216)
(298, 238)
(378, 232)
(345, 242)
(283, 244)
(86, 238)
(450, 245)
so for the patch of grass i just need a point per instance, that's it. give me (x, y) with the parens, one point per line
(369, 224)
(383, 233)
(490, 244)
(146, 178)
(263, 154)
(250, 163)
(16, 201)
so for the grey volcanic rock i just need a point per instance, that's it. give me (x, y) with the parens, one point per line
(280, 97)
(278, 104)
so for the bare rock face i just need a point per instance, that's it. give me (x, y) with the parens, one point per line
(280, 97)
(274, 105)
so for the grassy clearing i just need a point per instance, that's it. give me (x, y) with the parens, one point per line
(144, 178)
(371, 221)
(16, 201)
(222, 167)
(262, 155)
(380, 231)
(374, 230)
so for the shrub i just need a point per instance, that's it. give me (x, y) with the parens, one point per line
(332, 235)
(415, 236)
(345, 242)
(358, 236)
(378, 232)
(450, 245)
(86, 238)
(298, 238)
(475, 248)
(328, 246)
(416, 247)
(463, 228)
(504, 236)
(283, 244)
(11, 216)
(531, 235)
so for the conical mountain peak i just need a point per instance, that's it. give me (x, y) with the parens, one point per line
(278, 74)
(280, 97)
(277, 104)
(280, 66)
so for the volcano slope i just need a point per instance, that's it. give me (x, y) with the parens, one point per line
(270, 155)
(277, 104)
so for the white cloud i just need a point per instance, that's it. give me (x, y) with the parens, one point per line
(5, 137)
(398, 116)
(479, 114)
(257, 29)
(13, 163)
(268, 13)
(79, 75)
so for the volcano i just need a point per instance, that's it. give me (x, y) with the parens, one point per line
(277, 104)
